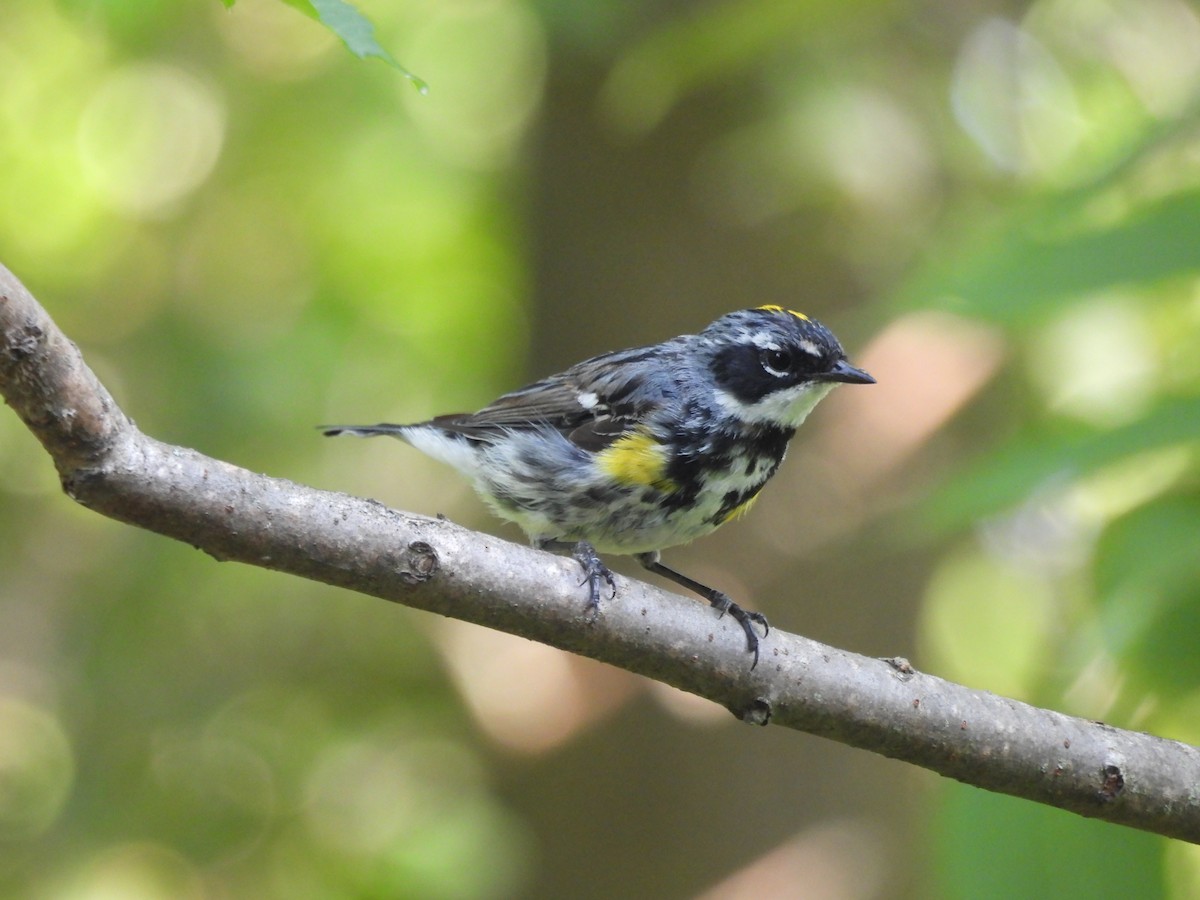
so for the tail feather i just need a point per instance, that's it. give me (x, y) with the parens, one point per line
(455, 449)
(363, 430)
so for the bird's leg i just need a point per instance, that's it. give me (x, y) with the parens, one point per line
(594, 570)
(720, 601)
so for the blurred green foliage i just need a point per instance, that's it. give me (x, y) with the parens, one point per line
(251, 233)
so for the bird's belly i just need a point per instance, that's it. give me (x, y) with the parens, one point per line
(577, 500)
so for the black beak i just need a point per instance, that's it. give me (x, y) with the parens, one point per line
(844, 372)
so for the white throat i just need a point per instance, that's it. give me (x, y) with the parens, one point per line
(788, 407)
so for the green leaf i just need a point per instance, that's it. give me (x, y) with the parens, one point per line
(1037, 263)
(355, 31)
(1147, 570)
(1012, 472)
(1155, 544)
(993, 846)
(305, 7)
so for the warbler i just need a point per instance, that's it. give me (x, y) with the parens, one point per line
(638, 450)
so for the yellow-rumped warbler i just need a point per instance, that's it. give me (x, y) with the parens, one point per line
(638, 450)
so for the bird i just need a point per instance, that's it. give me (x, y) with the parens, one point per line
(635, 451)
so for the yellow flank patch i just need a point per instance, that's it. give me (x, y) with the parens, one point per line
(773, 308)
(740, 510)
(636, 459)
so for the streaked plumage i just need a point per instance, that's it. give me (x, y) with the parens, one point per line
(639, 450)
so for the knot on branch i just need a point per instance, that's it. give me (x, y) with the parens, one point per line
(22, 343)
(419, 564)
(1112, 783)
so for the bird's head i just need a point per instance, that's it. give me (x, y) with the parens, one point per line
(771, 365)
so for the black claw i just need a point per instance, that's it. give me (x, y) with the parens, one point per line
(723, 603)
(747, 620)
(761, 620)
(594, 572)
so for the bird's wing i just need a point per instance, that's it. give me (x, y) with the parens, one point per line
(592, 404)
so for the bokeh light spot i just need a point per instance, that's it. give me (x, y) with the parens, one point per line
(136, 871)
(149, 136)
(1013, 98)
(36, 769)
(1096, 362)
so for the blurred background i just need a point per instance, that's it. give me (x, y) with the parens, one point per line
(248, 231)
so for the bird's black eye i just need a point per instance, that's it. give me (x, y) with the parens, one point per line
(777, 362)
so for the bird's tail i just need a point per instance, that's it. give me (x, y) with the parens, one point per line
(364, 430)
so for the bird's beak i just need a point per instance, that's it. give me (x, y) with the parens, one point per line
(844, 372)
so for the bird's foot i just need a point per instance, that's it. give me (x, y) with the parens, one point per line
(723, 603)
(594, 572)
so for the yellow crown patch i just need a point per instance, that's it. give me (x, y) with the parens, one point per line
(779, 309)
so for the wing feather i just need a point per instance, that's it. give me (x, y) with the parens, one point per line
(592, 404)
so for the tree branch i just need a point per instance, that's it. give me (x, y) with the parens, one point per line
(979, 738)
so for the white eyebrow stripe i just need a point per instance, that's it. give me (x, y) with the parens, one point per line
(809, 347)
